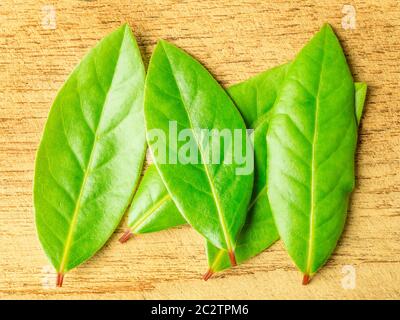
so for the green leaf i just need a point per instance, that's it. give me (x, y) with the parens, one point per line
(361, 94)
(212, 197)
(152, 208)
(91, 153)
(311, 144)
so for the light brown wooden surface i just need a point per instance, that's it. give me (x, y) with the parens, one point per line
(235, 40)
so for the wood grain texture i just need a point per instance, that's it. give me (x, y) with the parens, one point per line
(235, 40)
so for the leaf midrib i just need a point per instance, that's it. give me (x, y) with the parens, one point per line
(310, 248)
(213, 191)
(147, 214)
(217, 260)
(70, 235)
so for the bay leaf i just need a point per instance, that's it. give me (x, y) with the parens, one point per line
(311, 144)
(91, 153)
(211, 196)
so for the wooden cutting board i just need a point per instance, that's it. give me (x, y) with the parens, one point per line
(42, 41)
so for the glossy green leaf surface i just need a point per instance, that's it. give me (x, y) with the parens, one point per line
(91, 153)
(152, 208)
(311, 143)
(212, 197)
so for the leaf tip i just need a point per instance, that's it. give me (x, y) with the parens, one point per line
(208, 275)
(326, 25)
(60, 279)
(162, 43)
(328, 30)
(232, 258)
(126, 236)
(306, 279)
(125, 25)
